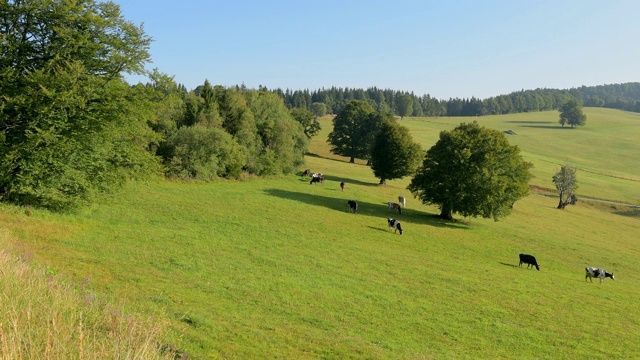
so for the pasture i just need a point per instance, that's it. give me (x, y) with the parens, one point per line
(279, 268)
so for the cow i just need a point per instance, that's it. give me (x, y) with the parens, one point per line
(402, 201)
(306, 173)
(592, 272)
(395, 225)
(342, 185)
(353, 206)
(395, 207)
(317, 178)
(529, 260)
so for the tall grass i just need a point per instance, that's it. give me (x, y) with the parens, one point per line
(45, 317)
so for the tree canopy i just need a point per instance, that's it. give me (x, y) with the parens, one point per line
(308, 121)
(394, 154)
(571, 114)
(405, 105)
(473, 171)
(71, 127)
(352, 127)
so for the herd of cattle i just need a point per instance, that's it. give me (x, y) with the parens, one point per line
(396, 227)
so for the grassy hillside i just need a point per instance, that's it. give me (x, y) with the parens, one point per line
(278, 268)
(605, 151)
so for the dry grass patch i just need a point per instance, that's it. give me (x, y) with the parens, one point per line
(45, 317)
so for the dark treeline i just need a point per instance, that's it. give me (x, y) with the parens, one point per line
(617, 96)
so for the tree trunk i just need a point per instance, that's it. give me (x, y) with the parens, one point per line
(352, 160)
(446, 214)
(383, 181)
(561, 204)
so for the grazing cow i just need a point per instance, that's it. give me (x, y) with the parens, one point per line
(353, 206)
(317, 178)
(395, 225)
(529, 260)
(402, 201)
(342, 185)
(395, 207)
(306, 173)
(599, 273)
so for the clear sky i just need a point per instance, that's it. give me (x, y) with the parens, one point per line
(444, 48)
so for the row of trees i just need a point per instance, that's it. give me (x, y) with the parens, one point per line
(471, 170)
(402, 103)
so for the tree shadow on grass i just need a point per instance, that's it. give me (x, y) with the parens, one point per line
(558, 127)
(343, 160)
(349, 181)
(528, 122)
(336, 180)
(378, 210)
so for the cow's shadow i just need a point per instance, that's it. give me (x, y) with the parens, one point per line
(505, 264)
(365, 208)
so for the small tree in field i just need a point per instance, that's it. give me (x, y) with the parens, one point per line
(571, 114)
(473, 171)
(405, 105)
(394, 154)
(565, 181)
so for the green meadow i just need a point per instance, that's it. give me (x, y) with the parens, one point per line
(278, 268)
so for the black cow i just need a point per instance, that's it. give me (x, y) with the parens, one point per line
(529, 260)
(353, 206)
(395, 225)
(342, 185)
(306, 173)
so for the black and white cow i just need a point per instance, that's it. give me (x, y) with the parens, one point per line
(602, 274)
(530, 260)
(395, 207)
(353, 206)
(317, 178)
(402, 201)
(394, 225)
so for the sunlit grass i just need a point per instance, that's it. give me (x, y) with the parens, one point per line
(278, 268)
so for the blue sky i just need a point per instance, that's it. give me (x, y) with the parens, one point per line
(443, 48)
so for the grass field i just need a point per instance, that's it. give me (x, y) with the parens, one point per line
(278, 268)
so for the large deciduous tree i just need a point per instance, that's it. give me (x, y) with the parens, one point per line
(473, 171)
(571, 114)
(352, 127)
(394, 154)
(71, 127)
(565, 181)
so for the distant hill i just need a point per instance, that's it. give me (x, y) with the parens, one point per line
(616, 96)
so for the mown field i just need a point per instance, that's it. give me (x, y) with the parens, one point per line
(278, 268)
